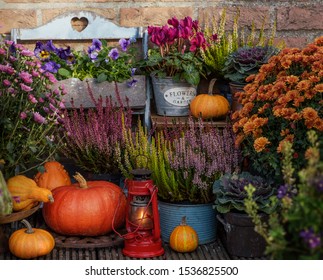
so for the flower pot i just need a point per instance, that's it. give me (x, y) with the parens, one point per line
(201, 217)
(78, 91)
(172, 98)
(239, 237)
(235, 87)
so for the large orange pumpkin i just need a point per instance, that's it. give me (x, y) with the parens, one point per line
(54, 176)
(183, 238)
(86, 208)
(209, 106)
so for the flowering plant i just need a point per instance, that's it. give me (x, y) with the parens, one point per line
(176, 51)
(246, 61)
(281, 103)
(90, 136)
(184, 161)
(30, 111)
(295, 231)
(100, 61)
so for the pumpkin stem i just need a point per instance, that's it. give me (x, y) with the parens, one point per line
(183, 222)
(81, 180)
(29, 229)
(50, 198)
(211, 85)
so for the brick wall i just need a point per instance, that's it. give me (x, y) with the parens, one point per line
(298, 21)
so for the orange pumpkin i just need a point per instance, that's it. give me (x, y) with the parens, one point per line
(54, 176)
(31, 242)
(208, 105)
(86, 208)
(183, 238)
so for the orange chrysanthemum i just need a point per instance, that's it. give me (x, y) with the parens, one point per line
(303, 85)
(318, 124)
(319, 88)
(260, 144)
(309, 114)
(248, 127)
(292, 79)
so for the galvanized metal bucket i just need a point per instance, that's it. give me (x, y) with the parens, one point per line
(172, 98)
(201, 217)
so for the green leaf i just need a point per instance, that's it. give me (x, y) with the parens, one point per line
(102, 77)
(64, 72)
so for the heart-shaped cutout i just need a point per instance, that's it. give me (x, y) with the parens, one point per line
(79, 24)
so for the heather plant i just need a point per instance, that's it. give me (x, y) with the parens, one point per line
(176, 51)
(30, 110)
(184, 160)
(101, 61)
(91, 135)
(295, 230)
(280, 104)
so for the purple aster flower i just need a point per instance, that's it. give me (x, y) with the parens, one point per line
(124, 43)
(51, 66)
(310, 238)
(114, 54)
(27, 53)
(39, 118)
(25, 87)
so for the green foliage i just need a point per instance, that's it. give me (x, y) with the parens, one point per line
(246, 61)
(230, 192)
(229, 39)
(295, 230)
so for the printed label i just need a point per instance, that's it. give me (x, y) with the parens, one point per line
(180, 96)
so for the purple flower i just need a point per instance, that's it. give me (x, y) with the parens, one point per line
(124, 43)
(65, 54)
(310, 238)
(51, 66)
(92, 52)
(6, 83)
(97, 45)
(26, 77)
(132, 82)
(114, 54)
(32, 98)
(23, 115)
(25, 87)
(133, 71)
(39, 118)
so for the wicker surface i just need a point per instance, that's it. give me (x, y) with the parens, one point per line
(107, 247)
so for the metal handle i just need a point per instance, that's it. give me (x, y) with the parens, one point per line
(227, 227)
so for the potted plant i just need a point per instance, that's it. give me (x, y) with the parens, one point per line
(30, 110)
(295, 231)
(174, 64)
(102, 66)
(280, 104)
(184, 162)
(242, 63)
(223, 41)
(90, 137)
(230, 192)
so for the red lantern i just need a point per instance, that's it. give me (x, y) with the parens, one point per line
(142, 217)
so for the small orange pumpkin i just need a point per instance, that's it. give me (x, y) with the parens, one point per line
(54, 176)
(31, 242)
(183, 238)
(209, 106)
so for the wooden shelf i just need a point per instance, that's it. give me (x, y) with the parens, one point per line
(160, 121)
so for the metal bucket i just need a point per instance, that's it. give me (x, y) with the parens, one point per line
(172, 98)
(201, 217)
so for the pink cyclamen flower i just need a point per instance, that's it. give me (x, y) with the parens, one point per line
(39, 118)
(25, 87)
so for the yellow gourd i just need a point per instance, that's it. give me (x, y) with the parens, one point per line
(23, 188)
